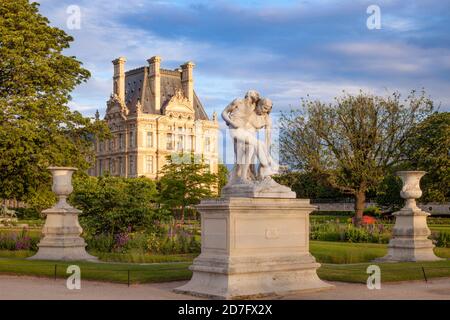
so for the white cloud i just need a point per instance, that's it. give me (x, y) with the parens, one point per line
(231, 70)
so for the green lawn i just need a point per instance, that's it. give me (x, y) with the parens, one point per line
(440, 228)
(112, 272)
(340, 262)
(344, 252)
(389, 271)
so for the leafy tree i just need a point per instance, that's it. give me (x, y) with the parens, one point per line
(37, 127)
(222, 176)
(112, 205)
(428, 149)
(186, 181)
(309, 185)
(387, 192)
(354, 140)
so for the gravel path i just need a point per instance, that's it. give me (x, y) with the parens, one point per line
(24, 287)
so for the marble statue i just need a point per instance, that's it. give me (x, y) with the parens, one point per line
(255, 237)
(244, 118)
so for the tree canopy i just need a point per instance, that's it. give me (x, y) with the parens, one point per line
(185, 181)
(38, 129)
(354, 140)
(428, 149)
(111, 205)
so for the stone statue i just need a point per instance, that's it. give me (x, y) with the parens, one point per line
(244, 117)
(255, 236)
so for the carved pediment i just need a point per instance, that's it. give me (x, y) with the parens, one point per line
(178, 105)
(115, 107)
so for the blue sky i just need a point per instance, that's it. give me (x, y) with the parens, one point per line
(284, 49)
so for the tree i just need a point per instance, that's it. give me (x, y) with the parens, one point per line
(186, 181)
(112, 205)
(354, 140)
(37, 127)
(222, 176)
(309, 185)
(387, 192)
(428, 149)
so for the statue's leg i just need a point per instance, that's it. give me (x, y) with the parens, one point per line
(236, 167)
(250, 150)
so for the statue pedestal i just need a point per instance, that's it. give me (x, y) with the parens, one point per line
(410, 238)
(254, 247)
(62, 239)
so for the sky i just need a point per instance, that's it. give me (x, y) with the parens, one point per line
(284, 49)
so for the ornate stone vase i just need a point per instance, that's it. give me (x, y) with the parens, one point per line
(62, 183)
(61, 230)
(410, 233)
(411, 186)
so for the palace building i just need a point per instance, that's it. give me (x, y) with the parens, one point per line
(153, 113)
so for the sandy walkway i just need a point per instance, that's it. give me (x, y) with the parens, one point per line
(23, 287)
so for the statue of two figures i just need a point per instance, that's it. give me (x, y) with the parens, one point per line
(244, 118)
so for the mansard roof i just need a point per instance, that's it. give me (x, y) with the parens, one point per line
(137, 88)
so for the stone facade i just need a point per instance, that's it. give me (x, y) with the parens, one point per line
(153, 113)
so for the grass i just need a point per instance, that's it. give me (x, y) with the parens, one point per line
(344, 252)
(340, 262)
(349, 253)
(390, 272)
(111, 272)
(439, 228)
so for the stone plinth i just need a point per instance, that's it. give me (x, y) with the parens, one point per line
(266, 188)
(62, 239)
(410, 233)
(254, 247)
(410, 238)
(61, 230)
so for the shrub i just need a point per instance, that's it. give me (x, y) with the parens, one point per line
(112, 205)
(100, 242)
(27, 213)
(332, 231)
(373, 211)
(441, 239)
(18, 241)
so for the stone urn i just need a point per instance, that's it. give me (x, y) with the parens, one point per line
(61, 230)
(411, 186)
(62, 184)
(410, 234)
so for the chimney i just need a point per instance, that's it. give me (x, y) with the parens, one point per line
(155, 81)
(187, 81)
(119, 78)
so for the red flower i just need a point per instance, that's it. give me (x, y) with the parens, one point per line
(368, 220)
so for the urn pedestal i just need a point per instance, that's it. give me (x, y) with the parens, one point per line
(254, 247)
(410, 233)
(61, 230)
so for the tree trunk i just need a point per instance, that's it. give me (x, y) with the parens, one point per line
(360, 201)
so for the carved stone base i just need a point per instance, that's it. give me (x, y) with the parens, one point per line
(252, 248)
(410, 238)
(62, 239)
(267, 188)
